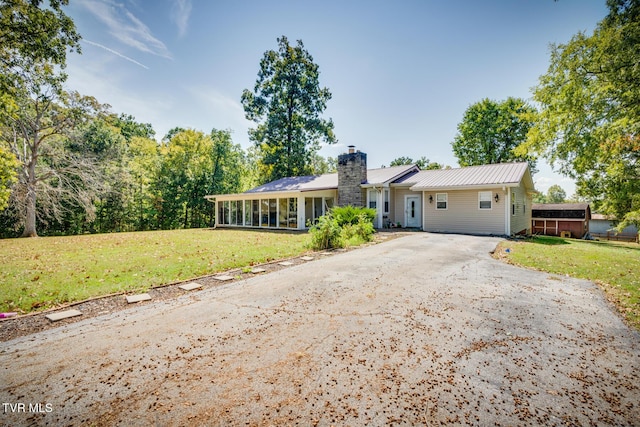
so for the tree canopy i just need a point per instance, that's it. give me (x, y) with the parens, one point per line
(286, 103)
(556, 194)
(491, 130)
(423, 163)
(31, 35)
(589, 118)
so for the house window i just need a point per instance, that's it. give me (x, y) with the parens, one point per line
(283, 213)
(514, 203)
(484, 199)
(264, 212)
(227, 208)
(234, 212)
(372, 195)
(386, 200)
(328, 204)
(247, 212)
(255, 211)
(239, 204)
(441, 201)
(273, 212)
(293, 213)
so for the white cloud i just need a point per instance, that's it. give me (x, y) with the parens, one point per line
(126, 27)
(115, 53)
(181, 11)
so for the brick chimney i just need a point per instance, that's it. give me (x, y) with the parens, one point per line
(352, 171)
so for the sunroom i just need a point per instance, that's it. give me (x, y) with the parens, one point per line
(289, 203)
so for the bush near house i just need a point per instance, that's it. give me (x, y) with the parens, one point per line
(343, 226)
(351, 215)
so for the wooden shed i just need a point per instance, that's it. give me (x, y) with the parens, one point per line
(562, 219)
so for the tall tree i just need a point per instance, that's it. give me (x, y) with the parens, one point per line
(556, 194)
(286, 103)
(491, 130)
(32, 35)
(589, 121)
(50, 176)
(35, 111)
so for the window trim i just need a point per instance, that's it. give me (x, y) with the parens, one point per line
(374, 199)
(386, 201)
(488, 198)
(446, 201)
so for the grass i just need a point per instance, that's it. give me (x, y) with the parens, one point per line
(45, 272)
(615, 266)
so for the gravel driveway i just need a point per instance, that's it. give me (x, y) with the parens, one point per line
(425, 329)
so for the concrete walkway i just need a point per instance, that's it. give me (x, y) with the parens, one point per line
(426, 329)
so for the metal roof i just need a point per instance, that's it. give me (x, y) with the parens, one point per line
(384, 175)
(508, 174)
(299, 183)
(330, 181)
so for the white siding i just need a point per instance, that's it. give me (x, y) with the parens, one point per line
(521, 220)
(398, 204)
(463, 214)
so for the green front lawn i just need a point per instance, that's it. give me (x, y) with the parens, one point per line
(45, 272)
(615, 266)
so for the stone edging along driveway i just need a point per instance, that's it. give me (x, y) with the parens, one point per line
(425, 329)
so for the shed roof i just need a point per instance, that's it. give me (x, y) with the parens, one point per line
(560, 206)
(508, 174)
(561, 210)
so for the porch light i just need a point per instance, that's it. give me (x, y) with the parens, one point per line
(430, 198)
(497, 198)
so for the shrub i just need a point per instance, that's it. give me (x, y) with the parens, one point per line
(342, 226)
(351, 214)
(326, 233)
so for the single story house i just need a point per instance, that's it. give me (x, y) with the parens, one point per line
(557, 219)
(489, 199)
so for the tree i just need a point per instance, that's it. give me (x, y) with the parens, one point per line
(194, 165)
(8, 166)
(555, 194)
(589, 120)
(143, 163)
(34, 110)
(30, 36)
(36, 130)
(423, 163)
(539, 197)
(129, 128)
(286, 103)
(490, 131)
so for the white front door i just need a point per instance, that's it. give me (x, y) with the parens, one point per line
(412, 212)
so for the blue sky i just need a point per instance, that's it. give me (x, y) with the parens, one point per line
(402, 73)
